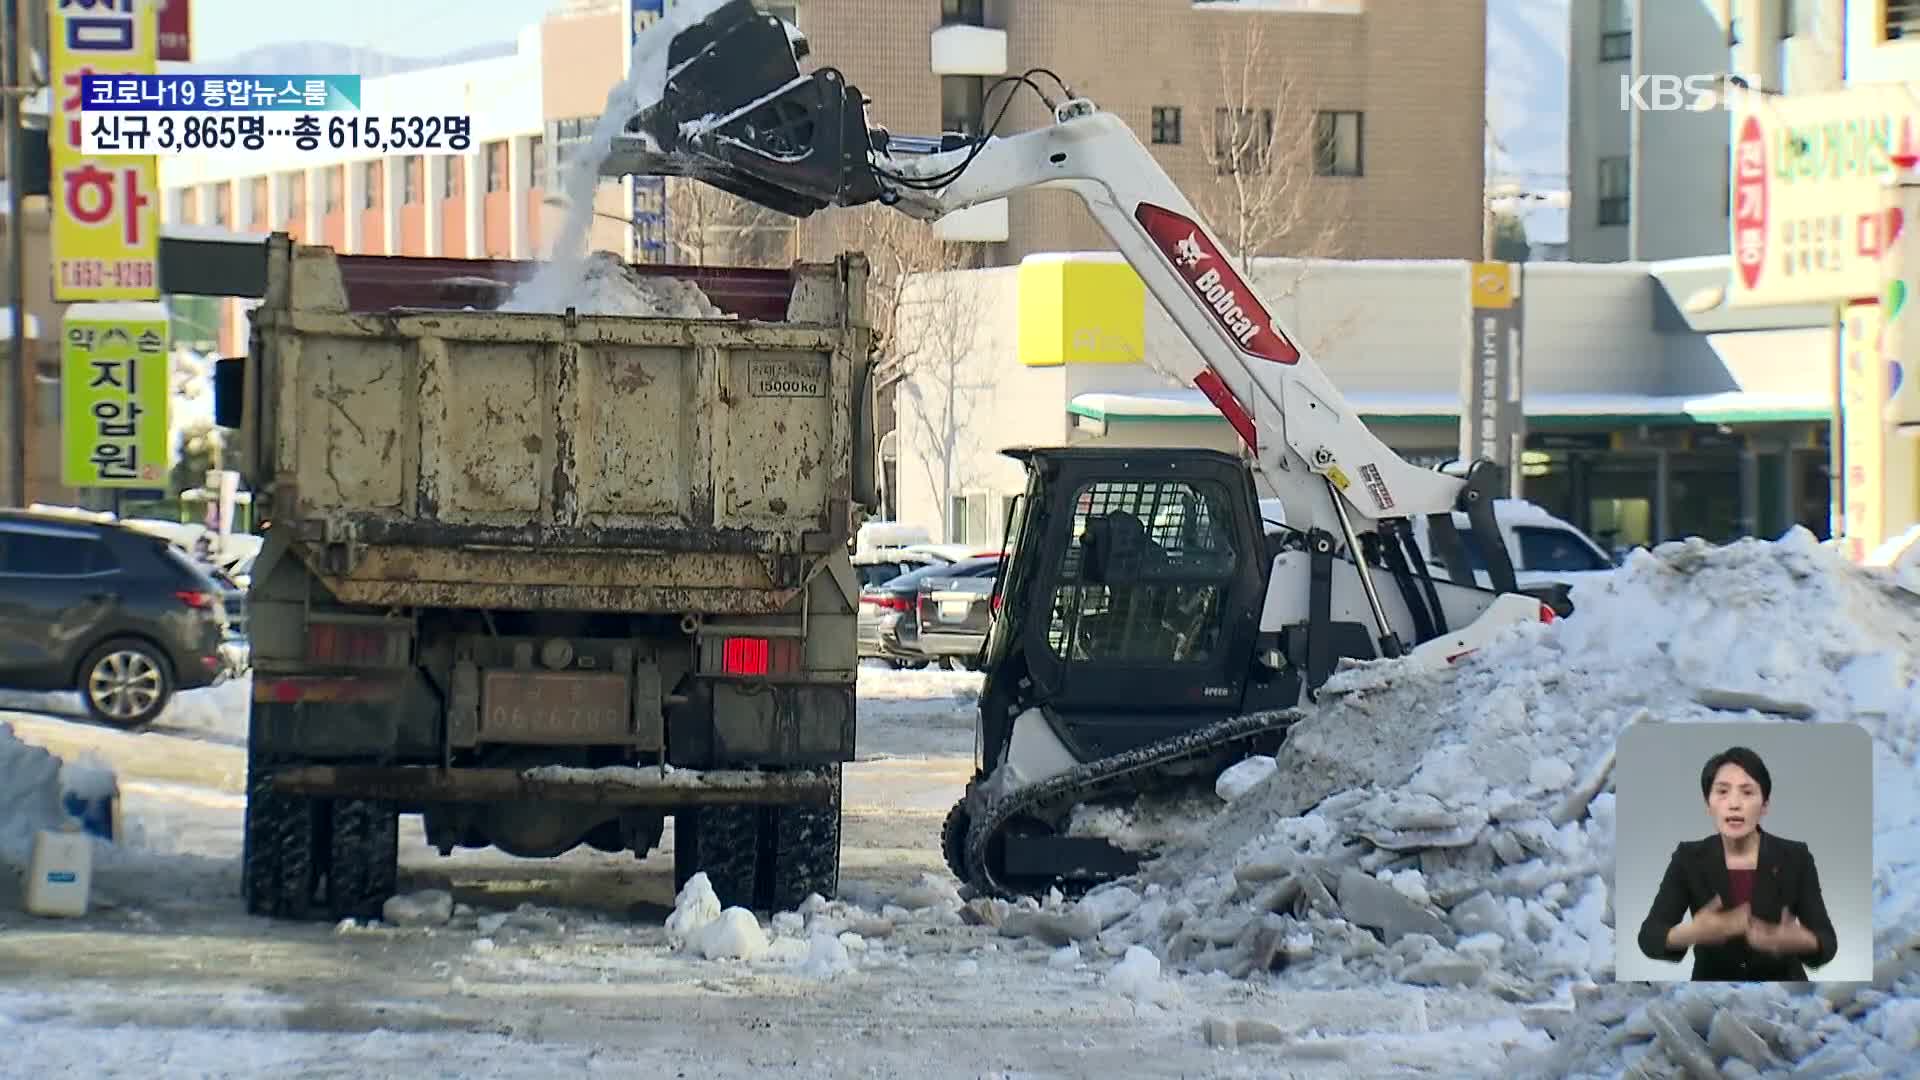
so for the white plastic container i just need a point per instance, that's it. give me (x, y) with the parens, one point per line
(60, 875)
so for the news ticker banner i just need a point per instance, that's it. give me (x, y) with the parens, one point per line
(106, 221)
(173, 115)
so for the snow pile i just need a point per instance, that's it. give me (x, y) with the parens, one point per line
(604, 285)
(699, 925)
(569, 280)
(1737, 1031)
(1452, 827)
(30, 796)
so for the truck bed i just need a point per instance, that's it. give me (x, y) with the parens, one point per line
(423, 454)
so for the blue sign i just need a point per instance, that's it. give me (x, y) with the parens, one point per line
(219, 93)
(649, 210)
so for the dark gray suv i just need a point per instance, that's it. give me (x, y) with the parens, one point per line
(122, 617)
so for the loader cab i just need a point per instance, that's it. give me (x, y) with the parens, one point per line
(1129, 602)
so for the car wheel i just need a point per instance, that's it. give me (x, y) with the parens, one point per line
(125, 683)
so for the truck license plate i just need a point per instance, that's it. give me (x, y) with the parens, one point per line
(555, 707)
(954, 610)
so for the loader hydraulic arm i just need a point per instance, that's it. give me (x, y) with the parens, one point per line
(737, 113)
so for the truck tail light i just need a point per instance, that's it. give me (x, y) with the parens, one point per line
(759, 656)
(344, 644)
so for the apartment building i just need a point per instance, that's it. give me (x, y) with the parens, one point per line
(1649, 184)
(1365, 116)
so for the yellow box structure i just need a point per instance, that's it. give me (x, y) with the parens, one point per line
(1081, 309)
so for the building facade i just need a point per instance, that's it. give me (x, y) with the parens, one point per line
(1651, 183)
(1646, 421)
(1361, 119)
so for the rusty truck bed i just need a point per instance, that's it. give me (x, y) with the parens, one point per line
(424, 454)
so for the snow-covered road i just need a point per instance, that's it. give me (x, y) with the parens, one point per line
(168, 977)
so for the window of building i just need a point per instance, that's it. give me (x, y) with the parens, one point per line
(1166, 125)
(331, 203)
(1733, 31)
(258, 212)
(1337, 138)
(1615, 193)
(963, 12)
(496, 166)
(370, 181)
(1789, 18)
(963, 104)
(180, 206)
(296, 196)
(222, 199)
(537, 162)
(450, 176)
(410, 177)
(1616, 29)
(1242, 140)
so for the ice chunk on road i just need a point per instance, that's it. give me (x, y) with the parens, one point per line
(827, 958)
(696, 906)
(1243, 777)
(429, 907)
(735, 935)
(1137, 976)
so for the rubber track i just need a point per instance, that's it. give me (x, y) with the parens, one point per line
(1114, 774)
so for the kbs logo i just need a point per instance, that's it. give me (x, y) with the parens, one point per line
(1219, 288)
(1684, 93)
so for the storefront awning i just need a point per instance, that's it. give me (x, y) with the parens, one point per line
(1734, 407)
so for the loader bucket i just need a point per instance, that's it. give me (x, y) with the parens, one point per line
(737, 113)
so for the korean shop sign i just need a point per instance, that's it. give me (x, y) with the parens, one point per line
(106, 210)
(1807, 173)
(115, 376)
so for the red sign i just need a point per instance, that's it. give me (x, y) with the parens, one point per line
(176, 30)
(1220, 289)
(1750, 201)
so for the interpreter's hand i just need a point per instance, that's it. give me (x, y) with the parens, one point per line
(1717, 923)
(1788, 935)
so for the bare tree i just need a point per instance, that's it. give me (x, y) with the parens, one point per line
(1266, 146)
(709, 227)
(940, 379)
(899, 247)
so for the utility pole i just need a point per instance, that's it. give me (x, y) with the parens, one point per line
(17, 244)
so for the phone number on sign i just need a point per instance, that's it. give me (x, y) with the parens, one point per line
(173, 133)
(106, 273)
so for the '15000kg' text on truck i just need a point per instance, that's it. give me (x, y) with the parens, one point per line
(549, 579)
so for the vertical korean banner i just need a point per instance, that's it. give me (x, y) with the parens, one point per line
(116, 382)
(1494, 425)
(1862, 395)
(106, 218)
(1898, 419)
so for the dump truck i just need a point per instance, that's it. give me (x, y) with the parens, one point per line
(549, 579)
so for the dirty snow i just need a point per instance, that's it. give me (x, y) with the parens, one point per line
(1455, 828)
(572, 278)
(603, 284)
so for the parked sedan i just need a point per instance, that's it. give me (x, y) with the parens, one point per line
(954, 616)
(122, 617)
(890, 612)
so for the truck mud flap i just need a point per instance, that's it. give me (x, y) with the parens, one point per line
(618, 786)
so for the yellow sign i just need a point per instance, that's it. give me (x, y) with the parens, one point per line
(1806, 187)
(115, 377)
(1078, 310)
(1493, 285)
(106, 214)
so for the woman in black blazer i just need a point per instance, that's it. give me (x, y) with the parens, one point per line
(1758, 915)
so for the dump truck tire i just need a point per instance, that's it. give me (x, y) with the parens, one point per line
(722, 841)
(281, 859)
(805, 852)
(364, 858)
